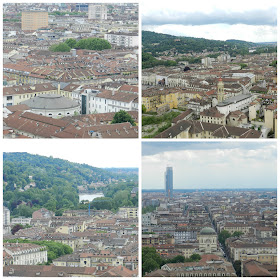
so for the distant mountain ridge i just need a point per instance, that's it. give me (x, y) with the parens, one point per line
(157, 43)
(45, 170)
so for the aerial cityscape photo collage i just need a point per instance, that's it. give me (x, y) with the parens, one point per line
(139, 138)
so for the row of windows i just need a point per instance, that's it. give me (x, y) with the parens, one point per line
(201, 274)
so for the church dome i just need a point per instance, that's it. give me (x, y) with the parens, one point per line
(207, 231)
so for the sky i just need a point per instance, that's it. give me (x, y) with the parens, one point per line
(250, 20)
(206, 165)
(104, 153)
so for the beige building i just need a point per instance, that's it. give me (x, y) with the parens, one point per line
(187, 249)
(212, 115)
(16, 94)
(129, 212)
(208, 266)
(221, 90)
(33, 20)
(26, 253)
(97, 11)
(236, 118)
(232, 227)
(262, 252)
(254, 110)
(196, 129)
(270, 113)
(91, 260)
(207, 239)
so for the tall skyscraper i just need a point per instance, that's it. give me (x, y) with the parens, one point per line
(169, 182)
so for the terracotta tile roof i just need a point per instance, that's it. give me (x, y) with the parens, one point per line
(212, 112)
(255, 269)
(118, 96)
(28, 89)
(20, 107)
(57, 128)
(129, 88)
(216, 130)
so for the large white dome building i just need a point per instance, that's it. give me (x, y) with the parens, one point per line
(207, 241)
(52, 105)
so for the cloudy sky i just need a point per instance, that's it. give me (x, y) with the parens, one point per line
(210, 164)
(104, 153)
(249, 20)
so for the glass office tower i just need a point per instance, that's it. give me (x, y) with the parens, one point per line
(169, 182)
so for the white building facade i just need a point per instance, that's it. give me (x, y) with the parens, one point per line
(236, 103)
(26, 253)
(128, 40)
(94, 101)
(97, 11)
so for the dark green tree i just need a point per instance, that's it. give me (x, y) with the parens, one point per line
(144, 110)
(122, 116)
(177, 259)
(71, 42)
(273, 63)
(195, 257)
(149, 265)
(237, 267)
(62, 47)
(243, 65)
(237, 233)
(16, 228)
(93, 44)
(223, 235)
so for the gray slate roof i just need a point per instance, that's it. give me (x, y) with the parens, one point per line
(50, 101)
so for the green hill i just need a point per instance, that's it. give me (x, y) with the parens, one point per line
(33, 181)
(157, 44)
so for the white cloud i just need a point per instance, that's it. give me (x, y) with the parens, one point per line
(219, 31)
(221, 168)
(216, 19)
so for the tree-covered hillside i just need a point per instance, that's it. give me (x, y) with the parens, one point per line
(33, 181)
(157, 43)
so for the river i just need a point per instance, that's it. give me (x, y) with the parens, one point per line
(89, 196)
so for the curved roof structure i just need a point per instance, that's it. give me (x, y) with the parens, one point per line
(50, 102)
(207, 231)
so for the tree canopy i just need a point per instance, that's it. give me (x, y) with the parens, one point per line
(122, 116)
(97, 44)
(32, 182)
(54, 249)
(223, 235)
(71, 42)
(151, 260)
(61, 47)
(93, 44)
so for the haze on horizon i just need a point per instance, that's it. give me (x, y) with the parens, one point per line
(250, 21)
(210, 165)
(102, 154)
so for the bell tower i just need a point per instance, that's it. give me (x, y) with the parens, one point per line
(221, 90)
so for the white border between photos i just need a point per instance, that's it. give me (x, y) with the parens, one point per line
(83, 144)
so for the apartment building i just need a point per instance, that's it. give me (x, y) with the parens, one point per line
(33, 20)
